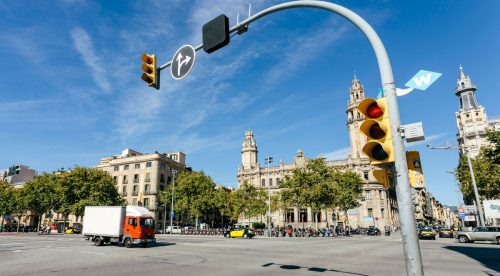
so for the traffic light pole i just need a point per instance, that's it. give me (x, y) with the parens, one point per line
(413, 259)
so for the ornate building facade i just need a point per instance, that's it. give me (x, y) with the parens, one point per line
(378, 206)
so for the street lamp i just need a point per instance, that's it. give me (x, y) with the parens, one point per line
(269, 160)
(172, 205)
(476, 193)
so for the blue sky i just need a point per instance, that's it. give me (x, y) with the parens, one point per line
(71, 89)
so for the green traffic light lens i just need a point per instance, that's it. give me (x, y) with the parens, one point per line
(379, 153)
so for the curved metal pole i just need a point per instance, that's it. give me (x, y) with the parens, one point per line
(413, 259)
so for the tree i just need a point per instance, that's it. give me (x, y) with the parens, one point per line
(6, 201)
(249, 201)
(348, 191)
(38, 195)
(486, 168)
(223, 203)
(312, 186)
(193, 195)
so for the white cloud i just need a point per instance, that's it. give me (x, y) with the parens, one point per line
(83, 44)
(336, 154)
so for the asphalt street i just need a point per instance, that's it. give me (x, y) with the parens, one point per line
(195, 255)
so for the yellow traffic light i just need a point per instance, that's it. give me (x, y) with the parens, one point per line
(415, 172)
(150, 75)
(377, 128)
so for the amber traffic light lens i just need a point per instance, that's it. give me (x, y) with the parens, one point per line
(379, 153)
(376, 131)
(374, 111)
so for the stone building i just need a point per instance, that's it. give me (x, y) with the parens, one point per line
(378, 207)
(140, 177)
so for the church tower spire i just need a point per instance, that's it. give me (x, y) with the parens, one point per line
(354, 118)
(249, 151)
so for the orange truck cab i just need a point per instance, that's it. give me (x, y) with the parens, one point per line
(129, 226)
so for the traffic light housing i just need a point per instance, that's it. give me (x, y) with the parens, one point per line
(150, 75)
(377, 129)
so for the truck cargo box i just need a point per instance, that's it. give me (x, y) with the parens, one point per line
(104, 220)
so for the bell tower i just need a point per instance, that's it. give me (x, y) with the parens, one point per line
(249, 151)
(354, 118)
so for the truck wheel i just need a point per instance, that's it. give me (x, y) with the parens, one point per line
(98, 241)
(128, 243)
(463, 239)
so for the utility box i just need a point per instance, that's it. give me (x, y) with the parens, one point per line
(414, 132)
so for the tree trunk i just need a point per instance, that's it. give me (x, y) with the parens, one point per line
(346, 217)
(39, 221)
(18, 223)
(326, 214)
(315, 214)
(1, 225)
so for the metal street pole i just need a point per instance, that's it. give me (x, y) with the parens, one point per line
(269, 160)
(471, 170)
(413, 258)
(172, 204)
(476, 193)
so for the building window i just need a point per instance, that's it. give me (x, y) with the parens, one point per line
(382, 212)
(263, 183)
(136, 188)
(148, 164)
(115, 179)
(174, 157)
(368, 194)
(290, 217)
(137, 166)
(148, 177)
(277, 181)
(365, 175)
(146, 188)
(162, 166)
(380, 194)
(370, 212)
(125, 167)
(134, 201)
(125, 181)
(146, 202)
(303, 215)
(116, 168)
(124, 189)
(270, 182)
(136, 178)
(162, 178)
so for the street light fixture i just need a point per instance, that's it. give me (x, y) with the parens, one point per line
(172, 205)
(476, 193)
(269, 160)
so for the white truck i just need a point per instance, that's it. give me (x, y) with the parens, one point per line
(131, 225)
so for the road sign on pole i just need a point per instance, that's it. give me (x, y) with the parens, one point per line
(182, 62)
(172, 214)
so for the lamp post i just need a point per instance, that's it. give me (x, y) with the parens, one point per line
(269, 160)
(172, 204)
(471, 170)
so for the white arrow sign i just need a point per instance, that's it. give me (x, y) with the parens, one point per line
(181, 62)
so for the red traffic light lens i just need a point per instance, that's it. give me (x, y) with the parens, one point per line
(374, 111)
(379, 153)
(376, 131)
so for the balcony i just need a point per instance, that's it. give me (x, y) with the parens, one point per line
(135, 193)
(125, 181)
(136, 180)
(149, 192)
(124, 193)
(147, 180)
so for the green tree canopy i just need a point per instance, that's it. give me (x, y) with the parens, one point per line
(486, 168)
(249, 202)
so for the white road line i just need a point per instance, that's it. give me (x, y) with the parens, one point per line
(89, 252)
(15, 251)
(11, 243)
(60, 250)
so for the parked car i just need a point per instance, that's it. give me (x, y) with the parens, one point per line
(480, 233)
(173, 230)
(73, 230)
(445, 233)
(373, 231)
(426, 232)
